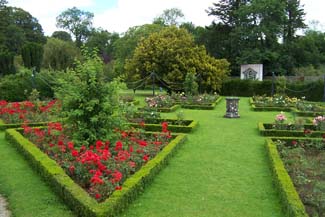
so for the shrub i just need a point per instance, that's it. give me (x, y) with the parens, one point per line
(89, 104)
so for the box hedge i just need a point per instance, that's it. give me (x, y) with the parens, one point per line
(291, 202)
(78, 199)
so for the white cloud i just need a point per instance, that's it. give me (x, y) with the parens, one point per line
(129, 13)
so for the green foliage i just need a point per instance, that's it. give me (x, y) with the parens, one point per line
(190, 85)
(6, 62)
(76, 21)
(17, 87)
(169, 17)
(59, 55)
(124, 47)
(281, 85)
(62, 35)
(103, 41)
(249, 32)
(90, 105)
(32, 54)
(237, 87)
(171, 53)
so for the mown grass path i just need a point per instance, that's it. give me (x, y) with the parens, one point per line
(222, 170)
(27, 194)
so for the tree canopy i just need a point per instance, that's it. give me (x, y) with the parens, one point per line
(76, 21)
(171, 54)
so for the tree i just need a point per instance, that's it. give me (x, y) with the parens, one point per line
(123, 48)
(103, 41)
(169, 17)
(171, 53)
(78, 22)
(62, 35)
(32, 54)
(254, 29)
(59, 55)
(6, 61)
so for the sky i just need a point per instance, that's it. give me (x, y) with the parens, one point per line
(119, 15)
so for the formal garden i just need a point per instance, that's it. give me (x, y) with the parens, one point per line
(100, 149)
(163, 119)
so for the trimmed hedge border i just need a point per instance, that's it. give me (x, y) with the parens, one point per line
(266, 130)
(173, 128)
(166, 110)
(292, 205)
(307, 114)
(4, 126)
(78, 199)
(202, 107)
(268, 108)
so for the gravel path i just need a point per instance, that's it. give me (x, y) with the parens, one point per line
(4, 212)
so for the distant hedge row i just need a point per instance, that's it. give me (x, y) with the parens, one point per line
(313, 91)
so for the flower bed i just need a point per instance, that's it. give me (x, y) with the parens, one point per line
(291, 202)
(74, 195)
(289, 130)
(303, 159)
(307, 113)
(276, 103)
(13, 115)
(204, 106)
(179, 126)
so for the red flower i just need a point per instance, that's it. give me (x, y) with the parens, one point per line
(118, 188)
(99, 144)
(98, 196)
(142, 143)
(51, 145)
(142, 124)
(117, 176)
(145, 157)
(71, 169)
(96, 180)
(70, 145)
(118, 146)
(294, 142)
(164, 126)
(74, 153)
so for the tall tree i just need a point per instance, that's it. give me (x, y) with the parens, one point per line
(171, 54)
(59, 54)
(103, 41)
(62, 35)
(170, 17)
(78, 22)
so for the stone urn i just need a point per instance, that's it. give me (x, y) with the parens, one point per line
(232, 107)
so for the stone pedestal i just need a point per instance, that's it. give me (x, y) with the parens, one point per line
(232, 107)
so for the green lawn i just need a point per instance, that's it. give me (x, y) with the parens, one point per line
(221, 170)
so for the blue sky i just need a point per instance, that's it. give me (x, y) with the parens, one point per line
(119, 15)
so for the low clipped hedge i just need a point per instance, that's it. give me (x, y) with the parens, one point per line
(170, 109)
(270, 108)
(4, 126)
(202, 107)
(267, 130)
(306, 113)
(188, 127)
(291, 202)
(78, 199)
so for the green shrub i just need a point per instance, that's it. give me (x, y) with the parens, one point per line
(237, 87)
